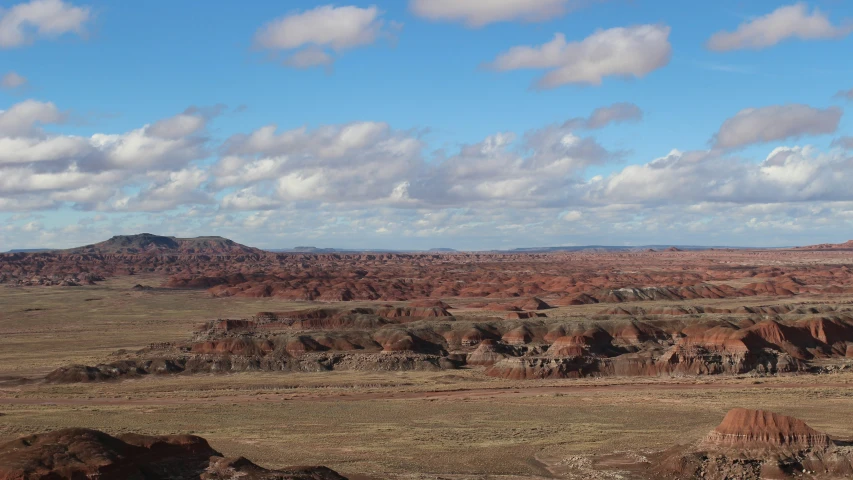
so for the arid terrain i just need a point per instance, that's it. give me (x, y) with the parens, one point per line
(584, 364)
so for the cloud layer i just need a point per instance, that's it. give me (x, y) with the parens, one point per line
(148, 168)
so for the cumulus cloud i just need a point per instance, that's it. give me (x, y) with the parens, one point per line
(180, 125)
(623, 52)
(792, 21)
(369, 163)
(356, 162)
(477, 13)
(169, 190)
(151, 162)
(23, 119)
(535, 170)
(778, 122)
(12, 81)
(310, 35)
(23, 23)
(787, 174)
(604, 116)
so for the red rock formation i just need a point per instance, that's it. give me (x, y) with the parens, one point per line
(569, 346)
(517, 336)
(428, 303)
(487, 353)
(413, 312)
(524, 315)
(534, 304)
(756, 445)
(744, 428)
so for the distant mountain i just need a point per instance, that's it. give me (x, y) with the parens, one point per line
(30, 250)
(304, 249)
(612, 248)
(830, 246)
(442, 250)
(147, 243)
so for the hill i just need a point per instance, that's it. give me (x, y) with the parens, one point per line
(147, 243)
(848, 245)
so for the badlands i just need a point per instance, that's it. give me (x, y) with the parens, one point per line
(584, 363)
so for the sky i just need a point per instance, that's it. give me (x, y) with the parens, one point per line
(418, 124)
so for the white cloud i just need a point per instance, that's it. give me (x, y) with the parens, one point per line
(308, 34)
(249, 199)
(48, 169)
(623, 52)
(356, 162)
(369, 163)
(23, 119)
(604, 116)
(777, 122)
(477, 13)
(24, 22)
(139, 150)
(170, 190)
(35, 149)
(787, 174)
(540, 169)
(792, 21)
(180, 125)
(12, 81)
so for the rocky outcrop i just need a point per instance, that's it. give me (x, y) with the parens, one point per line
(362, 338)
(82, 453)
(754, 445)
(742, 428)
(534, 303)
(413, 312)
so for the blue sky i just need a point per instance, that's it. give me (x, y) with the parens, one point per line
(455, 146)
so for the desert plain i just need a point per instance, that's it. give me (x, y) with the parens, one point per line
(574, 365)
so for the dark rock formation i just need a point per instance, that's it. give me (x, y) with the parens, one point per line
(78, 453)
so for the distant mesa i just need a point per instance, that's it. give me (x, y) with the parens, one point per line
(304, 249)
(848, 245)
(442, 250)
(147, 244)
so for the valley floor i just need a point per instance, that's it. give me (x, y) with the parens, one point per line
(457, 424)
